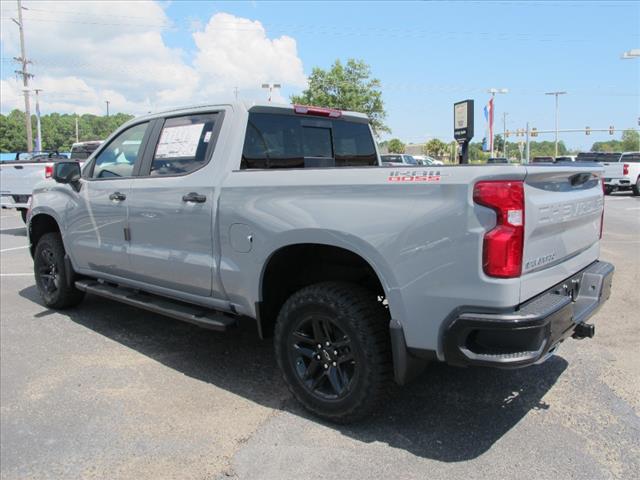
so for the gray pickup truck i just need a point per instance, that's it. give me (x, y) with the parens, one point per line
(361, 274)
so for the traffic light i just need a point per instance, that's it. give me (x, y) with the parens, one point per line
(534, 132)
(587, 130)
(611, 129)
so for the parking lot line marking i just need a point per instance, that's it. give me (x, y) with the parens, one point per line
(14, 248)
(16, 274)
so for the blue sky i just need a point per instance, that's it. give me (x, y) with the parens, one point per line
(429, 55)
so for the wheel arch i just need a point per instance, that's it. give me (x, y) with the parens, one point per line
(40, 224)
(293, 266)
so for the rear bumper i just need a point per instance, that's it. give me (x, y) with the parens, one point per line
(529, 333)
(14, 201)
(617, 182)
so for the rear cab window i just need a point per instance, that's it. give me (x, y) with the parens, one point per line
(630, 158)
(275, 140)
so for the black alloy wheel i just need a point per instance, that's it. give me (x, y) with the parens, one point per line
(333, 347)
(56, 290)
(323, 357)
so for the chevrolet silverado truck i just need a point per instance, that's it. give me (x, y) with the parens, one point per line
(361, 274)
(19, 176)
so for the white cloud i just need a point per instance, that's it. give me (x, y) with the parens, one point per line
(236, 51)
(88, 52)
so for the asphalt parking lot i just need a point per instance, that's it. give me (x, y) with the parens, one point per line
(108, 391)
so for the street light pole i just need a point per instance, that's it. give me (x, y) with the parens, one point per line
(556, 94)
(39, 127)
(107, 102)
(504, 133)
(493, 92)
(270, 87)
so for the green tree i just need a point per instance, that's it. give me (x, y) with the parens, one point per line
(396, 146)
(630, 140)
(435, 147)
(347, 87)
(498, 145)
(58, 130)
(609, 146)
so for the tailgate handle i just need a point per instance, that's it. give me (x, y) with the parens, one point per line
(579, 178)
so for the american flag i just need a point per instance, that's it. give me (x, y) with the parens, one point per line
(487, 142)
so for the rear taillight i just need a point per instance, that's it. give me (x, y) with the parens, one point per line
(48, 171)
(317, 111)
(602, 213)
(503, 245)
(625, 169)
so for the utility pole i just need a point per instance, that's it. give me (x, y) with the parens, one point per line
(528, 143)
(504, 133)
(77, 136)
(556, 95)
(25, 78)
(270, 87)
(39, 127)
(107, 102)
(235, 92)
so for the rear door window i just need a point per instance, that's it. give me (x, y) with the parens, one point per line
(291, 141)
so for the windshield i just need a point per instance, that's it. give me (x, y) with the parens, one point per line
(392, 158)
(409, 160)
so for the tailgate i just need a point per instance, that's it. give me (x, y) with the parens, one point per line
(612, 170)
(20, 178)
(563, 207)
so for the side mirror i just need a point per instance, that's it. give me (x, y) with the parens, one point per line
(66, 172)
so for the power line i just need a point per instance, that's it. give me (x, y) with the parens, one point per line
(334, 30)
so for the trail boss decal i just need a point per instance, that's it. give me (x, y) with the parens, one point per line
(413, 176)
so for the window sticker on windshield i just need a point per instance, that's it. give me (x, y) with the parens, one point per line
(180, 141)
(414, 176)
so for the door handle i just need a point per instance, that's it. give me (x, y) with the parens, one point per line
(194, 197)
(117, 197)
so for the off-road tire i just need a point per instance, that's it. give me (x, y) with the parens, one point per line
(51, 275)
(608, 190)
(636, 188)
(23, 214)
(358, 314)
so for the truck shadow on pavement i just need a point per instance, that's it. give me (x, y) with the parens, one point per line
(447, 414)
(16, 232)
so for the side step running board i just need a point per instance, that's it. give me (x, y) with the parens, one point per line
(180, 311)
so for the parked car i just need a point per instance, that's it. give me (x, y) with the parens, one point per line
(565, 158)
(631, 170)
(542, 159)
(498, 160)
(397, 159)
(19, 176)
(427, 160)
(83, 150)
(614, 171)
(283, 215)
